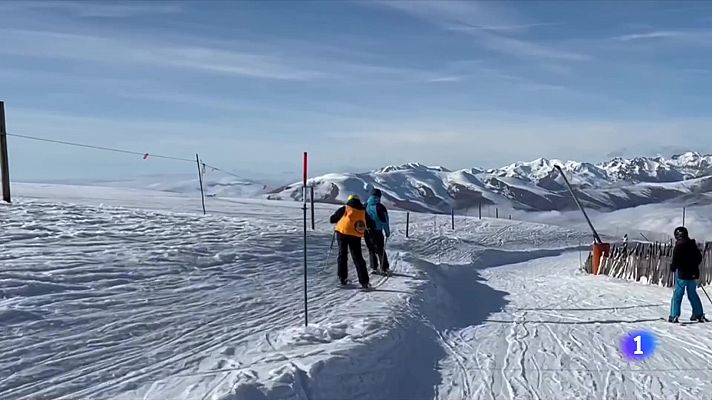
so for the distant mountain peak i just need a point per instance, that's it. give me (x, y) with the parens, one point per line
(415, 166)
(534, 185)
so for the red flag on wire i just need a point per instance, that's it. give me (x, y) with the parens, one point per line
(145, 156)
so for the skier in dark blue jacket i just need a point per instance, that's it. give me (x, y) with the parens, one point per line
(686, 259)
(374, 237)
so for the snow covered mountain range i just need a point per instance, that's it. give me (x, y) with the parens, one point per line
(536, 185)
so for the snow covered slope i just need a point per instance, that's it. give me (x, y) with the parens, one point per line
(106, 302)
(552, 333)
(214, 183)
(535, 185)
(101, 302)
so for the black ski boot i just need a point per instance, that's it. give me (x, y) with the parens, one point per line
(700, 318)
(673, 320)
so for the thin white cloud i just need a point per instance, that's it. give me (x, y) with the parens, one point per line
(95, 9)
(489, 22)
(502, 28)
(191, 99)
(87, 48)
(262, 62)
(452, 14)
(650, 35)
(445, 79)
(524, 83)
(230, 62)
(541, 87)
(527, 49)
(695, 37)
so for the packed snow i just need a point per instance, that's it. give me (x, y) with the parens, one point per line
(110, 293)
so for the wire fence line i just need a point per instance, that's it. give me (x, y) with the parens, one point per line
(145, 155)
(484, 210)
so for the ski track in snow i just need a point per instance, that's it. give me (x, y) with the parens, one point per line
(558, 338)
(102, 302)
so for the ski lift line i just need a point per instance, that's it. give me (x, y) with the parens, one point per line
(223, 171)
(89, 146)
(122, 151)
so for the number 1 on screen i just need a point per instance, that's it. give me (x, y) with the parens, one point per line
(638, 342)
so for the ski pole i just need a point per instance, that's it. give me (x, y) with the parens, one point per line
(383, 254)
(704, 253)
(708, 296)
(328, 253)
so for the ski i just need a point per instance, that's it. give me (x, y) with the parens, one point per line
(683, 323)
(348, 285)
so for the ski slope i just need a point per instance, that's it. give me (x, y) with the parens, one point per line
(553, 333)
(113, 294)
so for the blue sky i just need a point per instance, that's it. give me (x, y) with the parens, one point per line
(359, 85)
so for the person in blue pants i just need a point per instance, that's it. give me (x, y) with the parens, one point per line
(686, 259)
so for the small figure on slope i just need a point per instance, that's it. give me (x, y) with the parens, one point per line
(375, 241)
(351, 223)
(686, 259)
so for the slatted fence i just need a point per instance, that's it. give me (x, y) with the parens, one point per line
(648, 263)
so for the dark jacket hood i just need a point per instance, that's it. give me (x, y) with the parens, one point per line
(686, 241)
(355, 203)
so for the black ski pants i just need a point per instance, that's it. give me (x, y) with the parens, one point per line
(352, 244)
(376, 244)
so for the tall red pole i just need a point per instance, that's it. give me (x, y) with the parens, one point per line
(304, 196)
(305, 171)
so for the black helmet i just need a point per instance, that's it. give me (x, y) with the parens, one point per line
(681, 233)
(377, 193)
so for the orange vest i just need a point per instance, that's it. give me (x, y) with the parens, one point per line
(353, 223)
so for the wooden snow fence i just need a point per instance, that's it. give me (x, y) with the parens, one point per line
(648, 262)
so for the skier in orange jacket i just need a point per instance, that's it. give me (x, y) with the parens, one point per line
(351, 221)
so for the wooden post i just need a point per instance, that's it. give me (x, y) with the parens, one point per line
(496, 212)
(452, 216)
(200, 179)
(312, 206)
(407, 223)
(4, 162)
(510, 216)
(479, 210)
